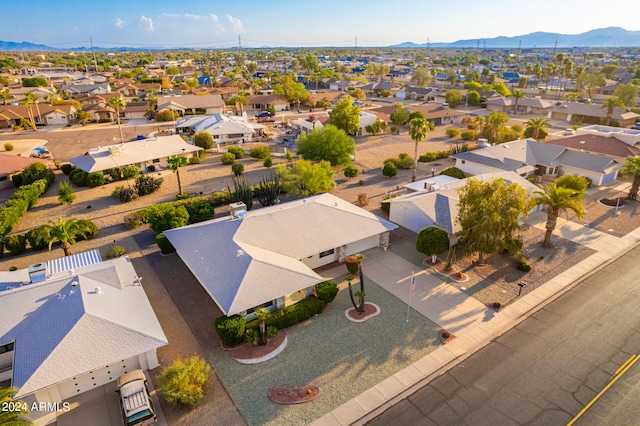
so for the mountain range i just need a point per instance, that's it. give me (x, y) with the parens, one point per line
(601, 37)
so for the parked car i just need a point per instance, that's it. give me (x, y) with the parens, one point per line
(358, 104)
(483, 143)
(570, 132)
(41, 152)
(636, 126)
(137, 408)
(264, 114)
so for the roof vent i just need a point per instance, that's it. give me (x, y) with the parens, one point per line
(37, 272)
(98, 290)
(238, 210)
(582, 142)
(74, 283)
(239, 253)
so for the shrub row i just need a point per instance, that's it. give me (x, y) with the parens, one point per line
(31, 174)
(327, 291)
(198, 208)
(17, 244)
(404, 161)
(23, 199)
(291, 315)
(144, 185)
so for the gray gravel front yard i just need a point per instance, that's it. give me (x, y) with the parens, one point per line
(342, 358)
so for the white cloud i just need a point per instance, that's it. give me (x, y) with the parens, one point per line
(236, 24)
(120, 23)
(218, 27)
(196, 17)
(146, 23)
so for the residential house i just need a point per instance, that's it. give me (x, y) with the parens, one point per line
(136, 110)
(223, 128)
(616, 143)
(192, 104)
(71, 325)
(10, 164)
(427, 94)
(536, 106)
(264, 102)
(578, 113)
(148, 154)
(266, 257)
(44, 114)
(309, 124)
(528, 157)
(94, 89)
(327, 98)
(436, 204)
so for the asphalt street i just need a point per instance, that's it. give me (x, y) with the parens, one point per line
(546, 369)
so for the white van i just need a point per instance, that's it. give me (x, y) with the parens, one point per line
(483, 143)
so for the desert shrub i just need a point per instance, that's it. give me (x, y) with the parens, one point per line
(230, 329)
(194, 160)
(8, 147)
(91, 229)
(125, 193)
(203, 139)
(146, 184)
(236, 151)
(405, 162)
(165, 245)
(95, 179)
(182, 196)
(228, 158)
(79, 179)
(291, 315)
(453, 172)
(130, 172)
(523, 264)
(166, 115)
(288, 156)
(199, 209)
(36, 171)
(452, 132)
(15, 244)
(220, 198)
(389, 169)
(237, 169)
(16, 179)
(469, 135)
(115, 251)
(65, 193)
(36, 239)
(433, 156)
(168, 216)
(251, 335)
(29, 193)
(326, 291)
(73, 172)
(268, 162)
(272, 332)
(184, 380)
(350, 171)
(260, 152)
(66, 168)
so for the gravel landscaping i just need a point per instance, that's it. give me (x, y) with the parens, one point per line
(342, 358)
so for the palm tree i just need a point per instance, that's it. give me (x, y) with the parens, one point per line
(65, 231)
(119, 105)
(537, 124)
(517, 95)
(16, 416)
(632, 169)
(261, 314)
(175, 163)
(610, 104)
(28, 101)
(418, 130)
(556, 199)
(83, 117)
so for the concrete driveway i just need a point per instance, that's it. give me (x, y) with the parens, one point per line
(100, 407)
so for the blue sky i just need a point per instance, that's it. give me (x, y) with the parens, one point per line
(213, 23)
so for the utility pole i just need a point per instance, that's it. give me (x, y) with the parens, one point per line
(519, 48)
(95, 62)
(555, 46)
(239, 43)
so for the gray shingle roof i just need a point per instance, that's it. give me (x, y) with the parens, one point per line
(63, 331)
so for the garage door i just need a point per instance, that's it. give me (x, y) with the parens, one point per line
(56, 120)
(608, 178)
(96, 378)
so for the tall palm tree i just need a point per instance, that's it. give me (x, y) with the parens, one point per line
(119, 105)
(65, 231)
(556, 199)
(418, 130)
(28, 101)
(537, 124)
(632, 169)
(610, 104)
(175, 163)
(15, 417)
(517, 95)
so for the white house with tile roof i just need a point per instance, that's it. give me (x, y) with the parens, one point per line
(267, 258)
(64, 332)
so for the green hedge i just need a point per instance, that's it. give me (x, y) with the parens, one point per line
(327, 291)
(231, 329)
(15, 244)
(165, 246)
(199, 209)
(291, 315)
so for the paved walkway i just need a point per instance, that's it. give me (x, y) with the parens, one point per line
(473, 324)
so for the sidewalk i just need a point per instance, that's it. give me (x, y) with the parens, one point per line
(473, 324)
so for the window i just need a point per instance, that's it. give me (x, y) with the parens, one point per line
(157, 160)
(327, 253)
(464, 162)
(264, 305)
(6, 348)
